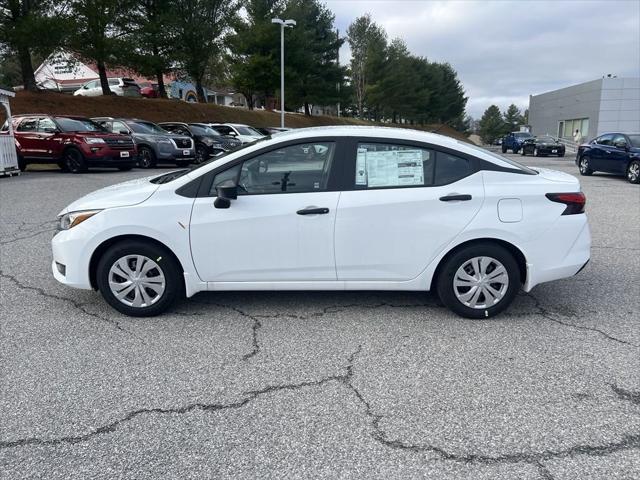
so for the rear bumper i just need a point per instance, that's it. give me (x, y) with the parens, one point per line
(568, 256)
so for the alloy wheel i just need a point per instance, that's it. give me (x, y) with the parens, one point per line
(137, 281)
(145, 158)
(584, 165)
(201, 155)
(481, 282)
(72, 161)
(633, 172)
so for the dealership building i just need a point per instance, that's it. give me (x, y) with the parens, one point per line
(605, 105)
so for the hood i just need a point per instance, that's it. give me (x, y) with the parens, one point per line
(556, 176)
(119, 195)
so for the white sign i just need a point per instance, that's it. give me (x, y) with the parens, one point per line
(389, 168)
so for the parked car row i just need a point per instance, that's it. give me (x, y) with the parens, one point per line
(78, 143)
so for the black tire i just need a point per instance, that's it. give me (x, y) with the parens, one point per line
(174, 286)
(22, 163)
(74, 161)
(633, 172)
(504, 148)
(561, 154)
(515, 150)
(146, 158)
(584, 166)
(202, 154)
(125, 169)
(447, 273)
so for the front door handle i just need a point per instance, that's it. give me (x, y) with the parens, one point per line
(313, 211)
(455, 197)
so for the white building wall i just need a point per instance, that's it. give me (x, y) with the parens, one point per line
(620, 105)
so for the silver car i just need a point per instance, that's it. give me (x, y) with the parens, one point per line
(155, 144)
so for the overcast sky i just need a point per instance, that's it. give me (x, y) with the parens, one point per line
(504, 51)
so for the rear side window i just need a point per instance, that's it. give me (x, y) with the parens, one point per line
(28, 125)
(450, 168)
(380, 165)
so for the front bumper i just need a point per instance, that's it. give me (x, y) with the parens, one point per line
(69, 249)
(171, 153)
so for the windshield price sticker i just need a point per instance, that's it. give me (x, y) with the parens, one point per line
(389, 168)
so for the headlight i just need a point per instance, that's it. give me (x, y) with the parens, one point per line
(91, 140)
(70, 220)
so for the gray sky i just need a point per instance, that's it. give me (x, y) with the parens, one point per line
(504, 51)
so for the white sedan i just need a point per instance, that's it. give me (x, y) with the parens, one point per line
(332, 208)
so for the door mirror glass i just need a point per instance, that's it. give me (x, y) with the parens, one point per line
(124, 132)
(50, 130)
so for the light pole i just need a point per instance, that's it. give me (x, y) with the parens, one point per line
(283, 24)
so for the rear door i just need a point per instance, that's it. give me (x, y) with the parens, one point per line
(27, 136)
(618, 157)
(404, 203)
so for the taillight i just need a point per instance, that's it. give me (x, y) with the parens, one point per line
(574, 201)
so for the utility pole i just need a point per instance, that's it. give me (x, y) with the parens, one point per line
(283, 24)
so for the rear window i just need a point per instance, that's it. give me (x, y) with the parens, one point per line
(635, 140)
(514, 164)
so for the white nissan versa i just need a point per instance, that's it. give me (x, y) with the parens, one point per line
(331, 208)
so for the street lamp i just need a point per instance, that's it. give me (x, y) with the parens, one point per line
(283, 24)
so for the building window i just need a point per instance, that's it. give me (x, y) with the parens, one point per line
(566, 128)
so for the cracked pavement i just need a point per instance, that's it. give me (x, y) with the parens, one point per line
(318, 384)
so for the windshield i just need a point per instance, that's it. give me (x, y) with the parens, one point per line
(546, 139)
(147, 127)
(78, 125)
(248, 131)
(523, 134)
(635, 140)
(202, 130)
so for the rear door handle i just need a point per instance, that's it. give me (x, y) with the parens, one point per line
(313, 211)
(453, 198)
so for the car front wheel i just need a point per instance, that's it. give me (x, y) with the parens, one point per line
(139, 279)
(74, 161)
(633, 171)
(504, 149)
(147, 158)
(479, 281)
(202, 154)
(584, 166)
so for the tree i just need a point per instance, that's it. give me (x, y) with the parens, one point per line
(312, 71)
(513, 117)
(255, 47)
(153, 53)
(29, 27)
(491, 124)
(368, 42)
(201, 28)
(99, 34)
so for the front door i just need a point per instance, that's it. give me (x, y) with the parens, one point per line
(599, 153)
(406, 204)
(279, 229)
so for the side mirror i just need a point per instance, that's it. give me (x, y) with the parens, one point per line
(124, 132)
(233, 134)
(227, 191)
(50, 130)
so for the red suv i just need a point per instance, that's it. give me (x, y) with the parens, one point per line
(74, 143)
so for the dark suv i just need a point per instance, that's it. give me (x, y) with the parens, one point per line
(514, 140)
(208, 142)
(74, 143)
(155, 144)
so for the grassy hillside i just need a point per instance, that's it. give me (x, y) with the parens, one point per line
(158, 110)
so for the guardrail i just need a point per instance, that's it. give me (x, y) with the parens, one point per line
(568, 144)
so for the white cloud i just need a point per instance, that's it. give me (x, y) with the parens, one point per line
(505, 51)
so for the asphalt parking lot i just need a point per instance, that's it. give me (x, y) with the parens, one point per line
(318, 385)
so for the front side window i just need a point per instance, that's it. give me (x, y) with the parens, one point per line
(292, 169)
(387, 165)
(619, 141)
(604, 139)
(223, 130)
(118, 127)
(46, 124)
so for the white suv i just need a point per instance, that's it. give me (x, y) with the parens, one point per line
(124, 87)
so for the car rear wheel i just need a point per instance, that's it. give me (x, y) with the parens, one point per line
(585, 166)
(74, 161)
(633, 171)
(146, 158)
(138, 279)
(22, 163)
(479, 281)
(504, 149)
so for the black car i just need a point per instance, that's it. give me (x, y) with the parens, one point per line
(208, 142)
(617, 153)
(542, 145)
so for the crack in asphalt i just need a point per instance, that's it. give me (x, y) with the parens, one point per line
(545, 313)
(34, 234)
(544, 472)
(627, 395)
(248, 396)
(77, 305)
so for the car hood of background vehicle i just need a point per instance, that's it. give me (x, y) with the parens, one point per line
(555, 175)
(119, 195)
